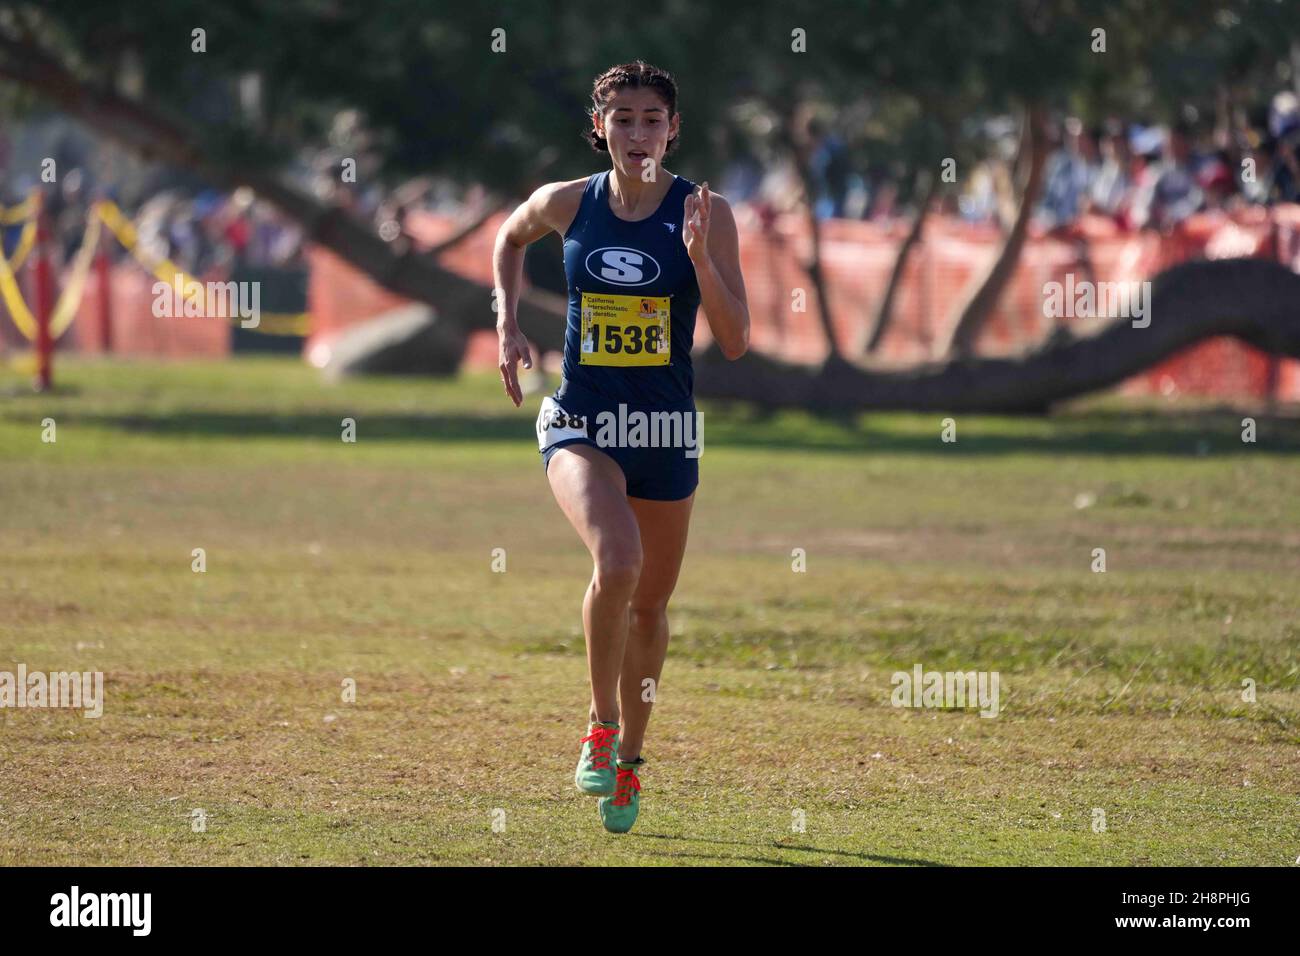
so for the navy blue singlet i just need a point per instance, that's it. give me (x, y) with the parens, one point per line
(620, 275)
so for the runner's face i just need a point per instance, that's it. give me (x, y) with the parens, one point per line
(637, 127)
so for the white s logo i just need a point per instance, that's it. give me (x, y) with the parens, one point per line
(623, 266)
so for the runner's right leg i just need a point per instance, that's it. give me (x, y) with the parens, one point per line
(592, 492)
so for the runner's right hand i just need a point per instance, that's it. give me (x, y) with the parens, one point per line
(513, 349)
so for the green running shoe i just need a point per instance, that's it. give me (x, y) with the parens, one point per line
(618, 812)
(595, 773)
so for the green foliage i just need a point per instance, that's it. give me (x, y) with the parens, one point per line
(901, 76)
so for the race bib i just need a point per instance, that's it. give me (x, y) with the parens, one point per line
(625, 330)
(554, 424)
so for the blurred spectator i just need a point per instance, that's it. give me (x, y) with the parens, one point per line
(882, 203)
(69, 213)
(781, 188)
(1216, 182)
(1111, 190)
(1167, 192)
(1257, 186)
(829, 164)
(743, 174)
(987, 194)
(1284, 128)
(979, 201)
(1069, 174)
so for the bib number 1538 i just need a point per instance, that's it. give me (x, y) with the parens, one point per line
(625, 330)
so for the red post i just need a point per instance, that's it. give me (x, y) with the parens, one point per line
(44, 297)
(105, 291)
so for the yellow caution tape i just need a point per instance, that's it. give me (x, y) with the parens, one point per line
(271, 323)
(26, 240)
(13, 297)
(25, 210)
(70, 300)
(65, 310)
(284, 323)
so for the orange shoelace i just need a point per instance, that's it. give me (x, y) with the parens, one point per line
(601, 738)
(626, 783)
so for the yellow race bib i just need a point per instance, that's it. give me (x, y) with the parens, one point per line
(625, 330)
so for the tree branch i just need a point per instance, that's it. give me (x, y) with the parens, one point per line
(151, 133)
(1253, 299)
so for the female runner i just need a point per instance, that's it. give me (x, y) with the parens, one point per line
(643, 248)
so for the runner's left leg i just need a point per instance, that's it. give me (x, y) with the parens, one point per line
(664, 526)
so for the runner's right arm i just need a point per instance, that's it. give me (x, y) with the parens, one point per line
(550, 207)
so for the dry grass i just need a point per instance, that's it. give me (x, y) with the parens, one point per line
(326, 561)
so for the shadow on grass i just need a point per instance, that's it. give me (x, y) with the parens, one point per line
(896, 860)
(1209, 433)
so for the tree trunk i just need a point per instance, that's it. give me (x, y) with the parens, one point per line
(978, 308)
(1253, 299)
(885, 312)
(813, 265)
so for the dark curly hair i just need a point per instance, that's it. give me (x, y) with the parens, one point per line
(636, 75)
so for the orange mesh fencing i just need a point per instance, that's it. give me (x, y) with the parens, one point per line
(857, 258)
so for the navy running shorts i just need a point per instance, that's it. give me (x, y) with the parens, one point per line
(658, 447)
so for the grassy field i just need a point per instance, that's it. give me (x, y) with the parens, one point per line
(1120, 691)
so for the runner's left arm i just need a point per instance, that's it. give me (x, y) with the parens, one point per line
(714, 247)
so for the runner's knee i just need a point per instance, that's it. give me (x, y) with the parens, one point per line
(648, 609)
(618, 568)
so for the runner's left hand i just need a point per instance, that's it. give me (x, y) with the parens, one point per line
(695, 230)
